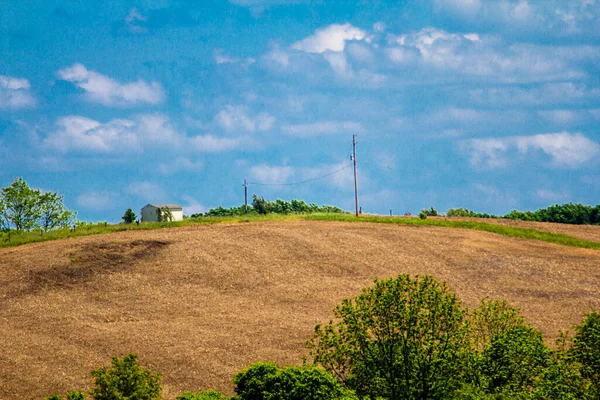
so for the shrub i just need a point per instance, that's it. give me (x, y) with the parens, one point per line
(205, 395)
(401, 339)
(126, 380)
(586, 349)
(264, 381)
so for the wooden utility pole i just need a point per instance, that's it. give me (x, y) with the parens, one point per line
(355, 180)
(245, 185)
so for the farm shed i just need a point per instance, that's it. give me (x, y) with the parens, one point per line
(149, 211)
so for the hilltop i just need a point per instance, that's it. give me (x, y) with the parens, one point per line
(200, 302)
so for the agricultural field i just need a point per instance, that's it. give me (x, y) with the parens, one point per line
(200, 302)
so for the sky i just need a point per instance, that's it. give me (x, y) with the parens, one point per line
(490, 105)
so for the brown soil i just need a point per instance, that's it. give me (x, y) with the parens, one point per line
(202, 302)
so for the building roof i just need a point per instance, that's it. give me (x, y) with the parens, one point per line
(170, 206)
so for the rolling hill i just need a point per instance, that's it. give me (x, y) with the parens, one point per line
(198, 303)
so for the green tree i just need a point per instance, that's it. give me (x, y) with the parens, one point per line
(513, 361)
(264, 381)
(401, 339)
(129, 216)
(586, 350)
(126, 380)
(490, 319)
(261, 205)
(20, 205)
(164, 214)
(53, 213)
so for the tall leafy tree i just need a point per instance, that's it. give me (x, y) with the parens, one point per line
(401, 339)
(20, 205)
(53, 213)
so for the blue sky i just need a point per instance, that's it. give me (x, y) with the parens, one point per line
(485, 104)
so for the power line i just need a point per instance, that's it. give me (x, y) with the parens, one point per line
(300, 182)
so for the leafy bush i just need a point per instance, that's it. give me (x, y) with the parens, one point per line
(74, 395)
(564, 214)
(205, 395)
(264, 381)
(401, 339)
(513, 361)
(586, 349)
(465, 212)
(126, 380)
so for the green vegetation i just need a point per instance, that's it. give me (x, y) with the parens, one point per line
(260, 206)
(24, 209)
(403, 338)
(510, 231)
(264, 381)
(569, 213)
(129, 217)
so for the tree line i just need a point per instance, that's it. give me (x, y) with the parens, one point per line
(570, 213)
(404, 338)
(262, 207)
(25, 209)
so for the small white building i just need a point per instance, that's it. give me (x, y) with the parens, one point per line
(150, 211)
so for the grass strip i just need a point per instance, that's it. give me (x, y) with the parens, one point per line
(510, 231)
(16, 239)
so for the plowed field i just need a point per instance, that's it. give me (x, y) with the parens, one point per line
(199, 303)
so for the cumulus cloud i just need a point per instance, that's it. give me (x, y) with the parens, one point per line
(180, 164)
(566, 150)
(76, 133)
(213, 144)
(107, 91)
(332, 37)
(557, 17)
(238, 118)
(271, 174)
(322, 128)
(15, 93)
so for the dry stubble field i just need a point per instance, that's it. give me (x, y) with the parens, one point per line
(201, 302)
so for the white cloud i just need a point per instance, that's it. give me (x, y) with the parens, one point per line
(79, 133)
(322, 128)
(332, 37)
(96, 201)
(144, 131)
(237, 118)
(180, 164)
(557, 17)
(566, 150)
(148, 191)
(569, 150)
(486, 152)
(15, 93)
(105, 90)
(270, 174)
(213, 144)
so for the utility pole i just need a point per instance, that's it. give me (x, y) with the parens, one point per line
(355, 180)
(245, 185)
